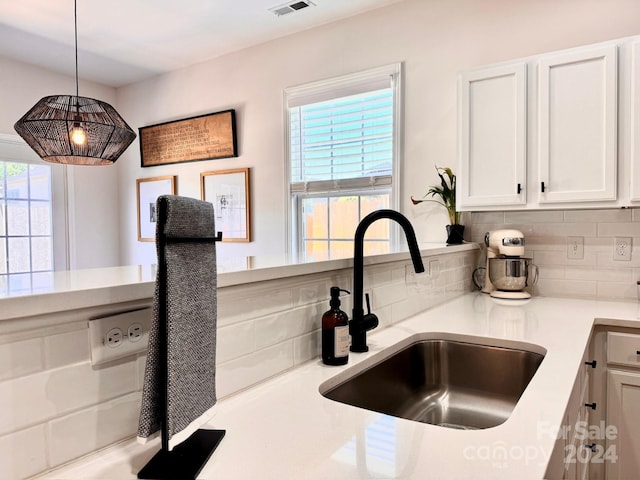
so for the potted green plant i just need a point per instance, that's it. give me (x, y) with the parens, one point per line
(446, 193)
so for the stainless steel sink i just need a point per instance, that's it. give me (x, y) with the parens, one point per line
(443, 382)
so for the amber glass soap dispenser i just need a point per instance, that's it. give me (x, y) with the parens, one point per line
(335, 332)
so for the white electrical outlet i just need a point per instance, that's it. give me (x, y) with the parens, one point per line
(113, 338)
(119, 336)
(622, 248)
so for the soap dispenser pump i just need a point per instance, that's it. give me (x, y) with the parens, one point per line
(335, 332)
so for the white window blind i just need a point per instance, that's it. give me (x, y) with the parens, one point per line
(342, 132)
(342, 139)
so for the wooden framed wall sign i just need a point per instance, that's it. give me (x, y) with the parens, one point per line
(205, 137)
(228, 191)
(147, 192)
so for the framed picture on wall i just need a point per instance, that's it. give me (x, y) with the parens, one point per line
(147, 192)
(205, 137)
(228, 191)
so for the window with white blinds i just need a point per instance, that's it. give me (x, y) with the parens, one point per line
(342, 145)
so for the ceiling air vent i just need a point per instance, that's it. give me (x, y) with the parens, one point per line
(291, 7)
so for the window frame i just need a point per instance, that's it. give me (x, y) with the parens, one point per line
(14, 149)
(337, 87)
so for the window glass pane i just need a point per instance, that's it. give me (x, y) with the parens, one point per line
(18, 253)
(17, 180)
(375, 248)
(315, 218)
(19, 283)
(40, 182)
(341, 249)
(315, 250)
(41, 254)
(17, 217)
(344, 215)
(3, 256)
(40, 218)
(42, 281)
(3, 217)
(380, 229)
(2, 177)
(345, 212)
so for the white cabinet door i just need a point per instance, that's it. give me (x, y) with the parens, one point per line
(577, 125)
(492, 141)
(634, 123)
(623, 412)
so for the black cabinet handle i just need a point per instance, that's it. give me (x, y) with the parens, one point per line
(592, 363)
(591, 447)
(519, 189)
(592, 406)
(542, 187)
(638, 352)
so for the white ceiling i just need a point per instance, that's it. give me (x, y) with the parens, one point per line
(125, 41)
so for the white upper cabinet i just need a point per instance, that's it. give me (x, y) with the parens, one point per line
(493, 130)
(577, 119)
(634, 121)
(543, 132)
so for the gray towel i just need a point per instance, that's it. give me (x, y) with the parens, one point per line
(191, 301)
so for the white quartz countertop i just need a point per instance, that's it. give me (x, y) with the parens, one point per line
(49, 292)
(285, 429)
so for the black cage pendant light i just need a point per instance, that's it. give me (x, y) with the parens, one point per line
(75, 130)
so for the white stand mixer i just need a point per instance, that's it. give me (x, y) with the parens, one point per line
(506, 273)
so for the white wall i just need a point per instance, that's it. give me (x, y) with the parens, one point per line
(435, 39)
(94, 209)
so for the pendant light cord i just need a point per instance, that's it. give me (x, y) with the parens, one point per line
(75, 24)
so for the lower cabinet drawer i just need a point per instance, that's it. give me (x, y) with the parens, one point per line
(623, 349)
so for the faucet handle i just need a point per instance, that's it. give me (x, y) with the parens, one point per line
(366, 298)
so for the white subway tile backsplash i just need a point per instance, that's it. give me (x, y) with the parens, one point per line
(312, 291)
(307, 347)
(234, 341)
(23, 453)
(20, 358)
(611, 215)
(241, 302)
(388, 294)
(484, 217)
(618, 290)
(599, 274)
(285, 325)
(93, 428)
(248, 370)
(564, 229)
(66, 348)
(45, 395)
(595, 275)
(533, 216)
(621, 229)
(563, 288)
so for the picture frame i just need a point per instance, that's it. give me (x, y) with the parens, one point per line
(205, 137)
(228, 191)
(147, 192)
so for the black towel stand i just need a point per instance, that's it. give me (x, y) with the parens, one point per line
(188, 458)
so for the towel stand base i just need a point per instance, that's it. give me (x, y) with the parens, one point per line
(186, 460)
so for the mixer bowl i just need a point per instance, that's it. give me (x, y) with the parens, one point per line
(509, 274)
